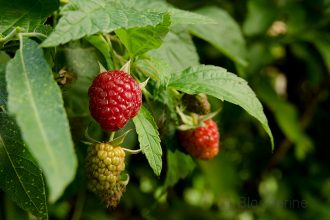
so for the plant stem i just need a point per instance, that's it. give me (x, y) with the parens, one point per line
(112, 135)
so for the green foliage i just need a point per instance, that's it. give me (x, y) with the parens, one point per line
(24, 14)
(82, 18)
(50, 51)
(20, 175)
(36, 102)
(148, 135)
(217, 82)
(225, 35)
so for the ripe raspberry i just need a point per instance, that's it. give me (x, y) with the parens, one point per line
(198, 104)
(114, 98)
(201, 142)
(104, 163)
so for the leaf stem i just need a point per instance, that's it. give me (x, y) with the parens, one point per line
(10, 36)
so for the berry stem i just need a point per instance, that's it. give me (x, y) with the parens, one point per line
(112, 135)
(132, 151)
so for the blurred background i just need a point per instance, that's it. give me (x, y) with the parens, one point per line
(288, 54)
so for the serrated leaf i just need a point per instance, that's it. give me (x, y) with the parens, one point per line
(178, 50)
(84, 17)
(217, 82)
(36, 102)
(27, 14)
(226, 36)
(21, 178)
(187, 17)
(142, 39)
(149, 140)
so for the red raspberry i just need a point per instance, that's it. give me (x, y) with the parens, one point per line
(114, 98)
(201, 142)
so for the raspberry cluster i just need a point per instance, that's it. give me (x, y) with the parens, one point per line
(104, 163)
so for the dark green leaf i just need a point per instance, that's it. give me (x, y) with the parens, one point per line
(226, 36)
(178, 50)
(322, 43)
(179, 165)
(84, 17)
(287, 118)
(260, 16)
(27, 14)
(4, 58)
(21, 178)
(148, 136)
(142, 39)
(36, 102)
(217, 82)
(82, 63)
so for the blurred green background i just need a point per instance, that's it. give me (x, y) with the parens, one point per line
(288, 53)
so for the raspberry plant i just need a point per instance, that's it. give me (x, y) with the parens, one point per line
(49, 59)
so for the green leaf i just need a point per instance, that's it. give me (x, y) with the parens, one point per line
(226, 36)
(286, 116)
(148, 137)
(84, 17)
(82, 63)
(27, 14)
(217, 82)
(153, 67)
(179, 165)
(142, 39)
(178, 50)
(36, 102)
(21, 178)
(260, 17)
(322, 43)
(4, 58)
(186, 17)
(99, 42)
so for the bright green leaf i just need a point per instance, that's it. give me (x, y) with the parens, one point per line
(21, 178)
(186, 17)
(178, 50)
(99, 42)
(217, 82)
(84, 17)
(226, 36)
(36, 102)
(148, 137)
(27, 14)
(142, 39)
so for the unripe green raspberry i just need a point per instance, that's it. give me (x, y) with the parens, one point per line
(104, 163)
